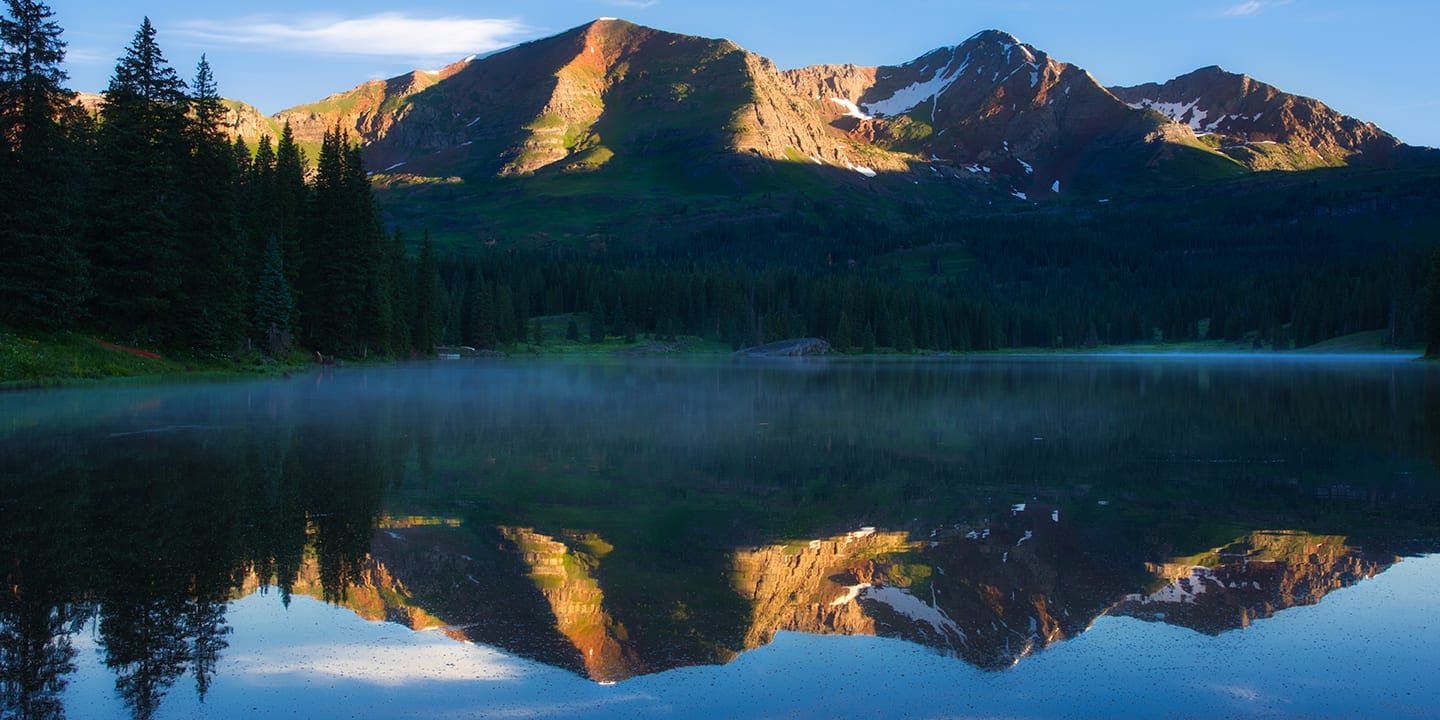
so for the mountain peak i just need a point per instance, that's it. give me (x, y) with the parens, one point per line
(1259, 124)
(999, 37)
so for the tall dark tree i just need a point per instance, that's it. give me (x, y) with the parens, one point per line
(274, 303)
(426, 325)
(331, 284)
(133, 242)
(43, 279)
(401, 296)
(289, 202)
(212, 287)
(1432, 308)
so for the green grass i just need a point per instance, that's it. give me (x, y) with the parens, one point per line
(32, 359)
(555, 344)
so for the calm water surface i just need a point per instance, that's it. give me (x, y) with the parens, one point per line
(1073, 537)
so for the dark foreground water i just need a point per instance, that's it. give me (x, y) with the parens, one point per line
(1075, 537)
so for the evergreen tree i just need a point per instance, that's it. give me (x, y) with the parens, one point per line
(597, 321)
(212, 287)
(134, 238)
(273, 302)
(841, 338)
(340, 297)
(287, 198)
(401, 296)
(376, 313)
(426, 326)
(44, 276)
(1432, 308)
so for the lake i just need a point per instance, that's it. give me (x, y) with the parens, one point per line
(1250, 536)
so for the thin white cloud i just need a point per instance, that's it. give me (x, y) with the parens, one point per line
(384, 34)
(89, 56)
(1251, 7)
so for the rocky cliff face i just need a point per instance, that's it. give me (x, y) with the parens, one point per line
(1260, 125)
(367, 112)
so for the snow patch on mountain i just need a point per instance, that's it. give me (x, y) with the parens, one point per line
(905, 99)
(851, 109)
(1178, 112)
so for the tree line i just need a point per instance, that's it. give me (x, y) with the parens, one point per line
(145, 222)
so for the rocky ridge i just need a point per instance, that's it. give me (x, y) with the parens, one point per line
(1258, 124)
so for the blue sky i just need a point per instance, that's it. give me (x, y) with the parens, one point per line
(1370, 59)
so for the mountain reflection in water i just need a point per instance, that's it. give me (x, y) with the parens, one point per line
(618, 521)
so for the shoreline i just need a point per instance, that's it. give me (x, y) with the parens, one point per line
(93, 362)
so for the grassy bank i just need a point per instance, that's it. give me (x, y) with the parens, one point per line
(34, 359)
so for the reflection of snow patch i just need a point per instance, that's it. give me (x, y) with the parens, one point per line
(1021, 541)
(903, 602)
(1181, 590)
(862, 532)
(1017, 508)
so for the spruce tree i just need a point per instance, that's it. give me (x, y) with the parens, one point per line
(1432, 308)
(597, 321)
(426, 326)
(273, 300)
(289, 201)
(134, 237)
(332, 281)
(43, 277)
(401, 296)
(212, 287)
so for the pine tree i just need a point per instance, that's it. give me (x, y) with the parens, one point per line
(44, 276)
(597, 321)
(1432, 309)
(401, 296)
(841, 339)
(335, 275)
(134, 237)
(290, 201)
(212, 288)
(273, 302)
(427, 299)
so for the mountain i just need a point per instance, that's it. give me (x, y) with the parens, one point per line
(992, 106)
(616, 130)
(609, 91)
(1260, 125)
